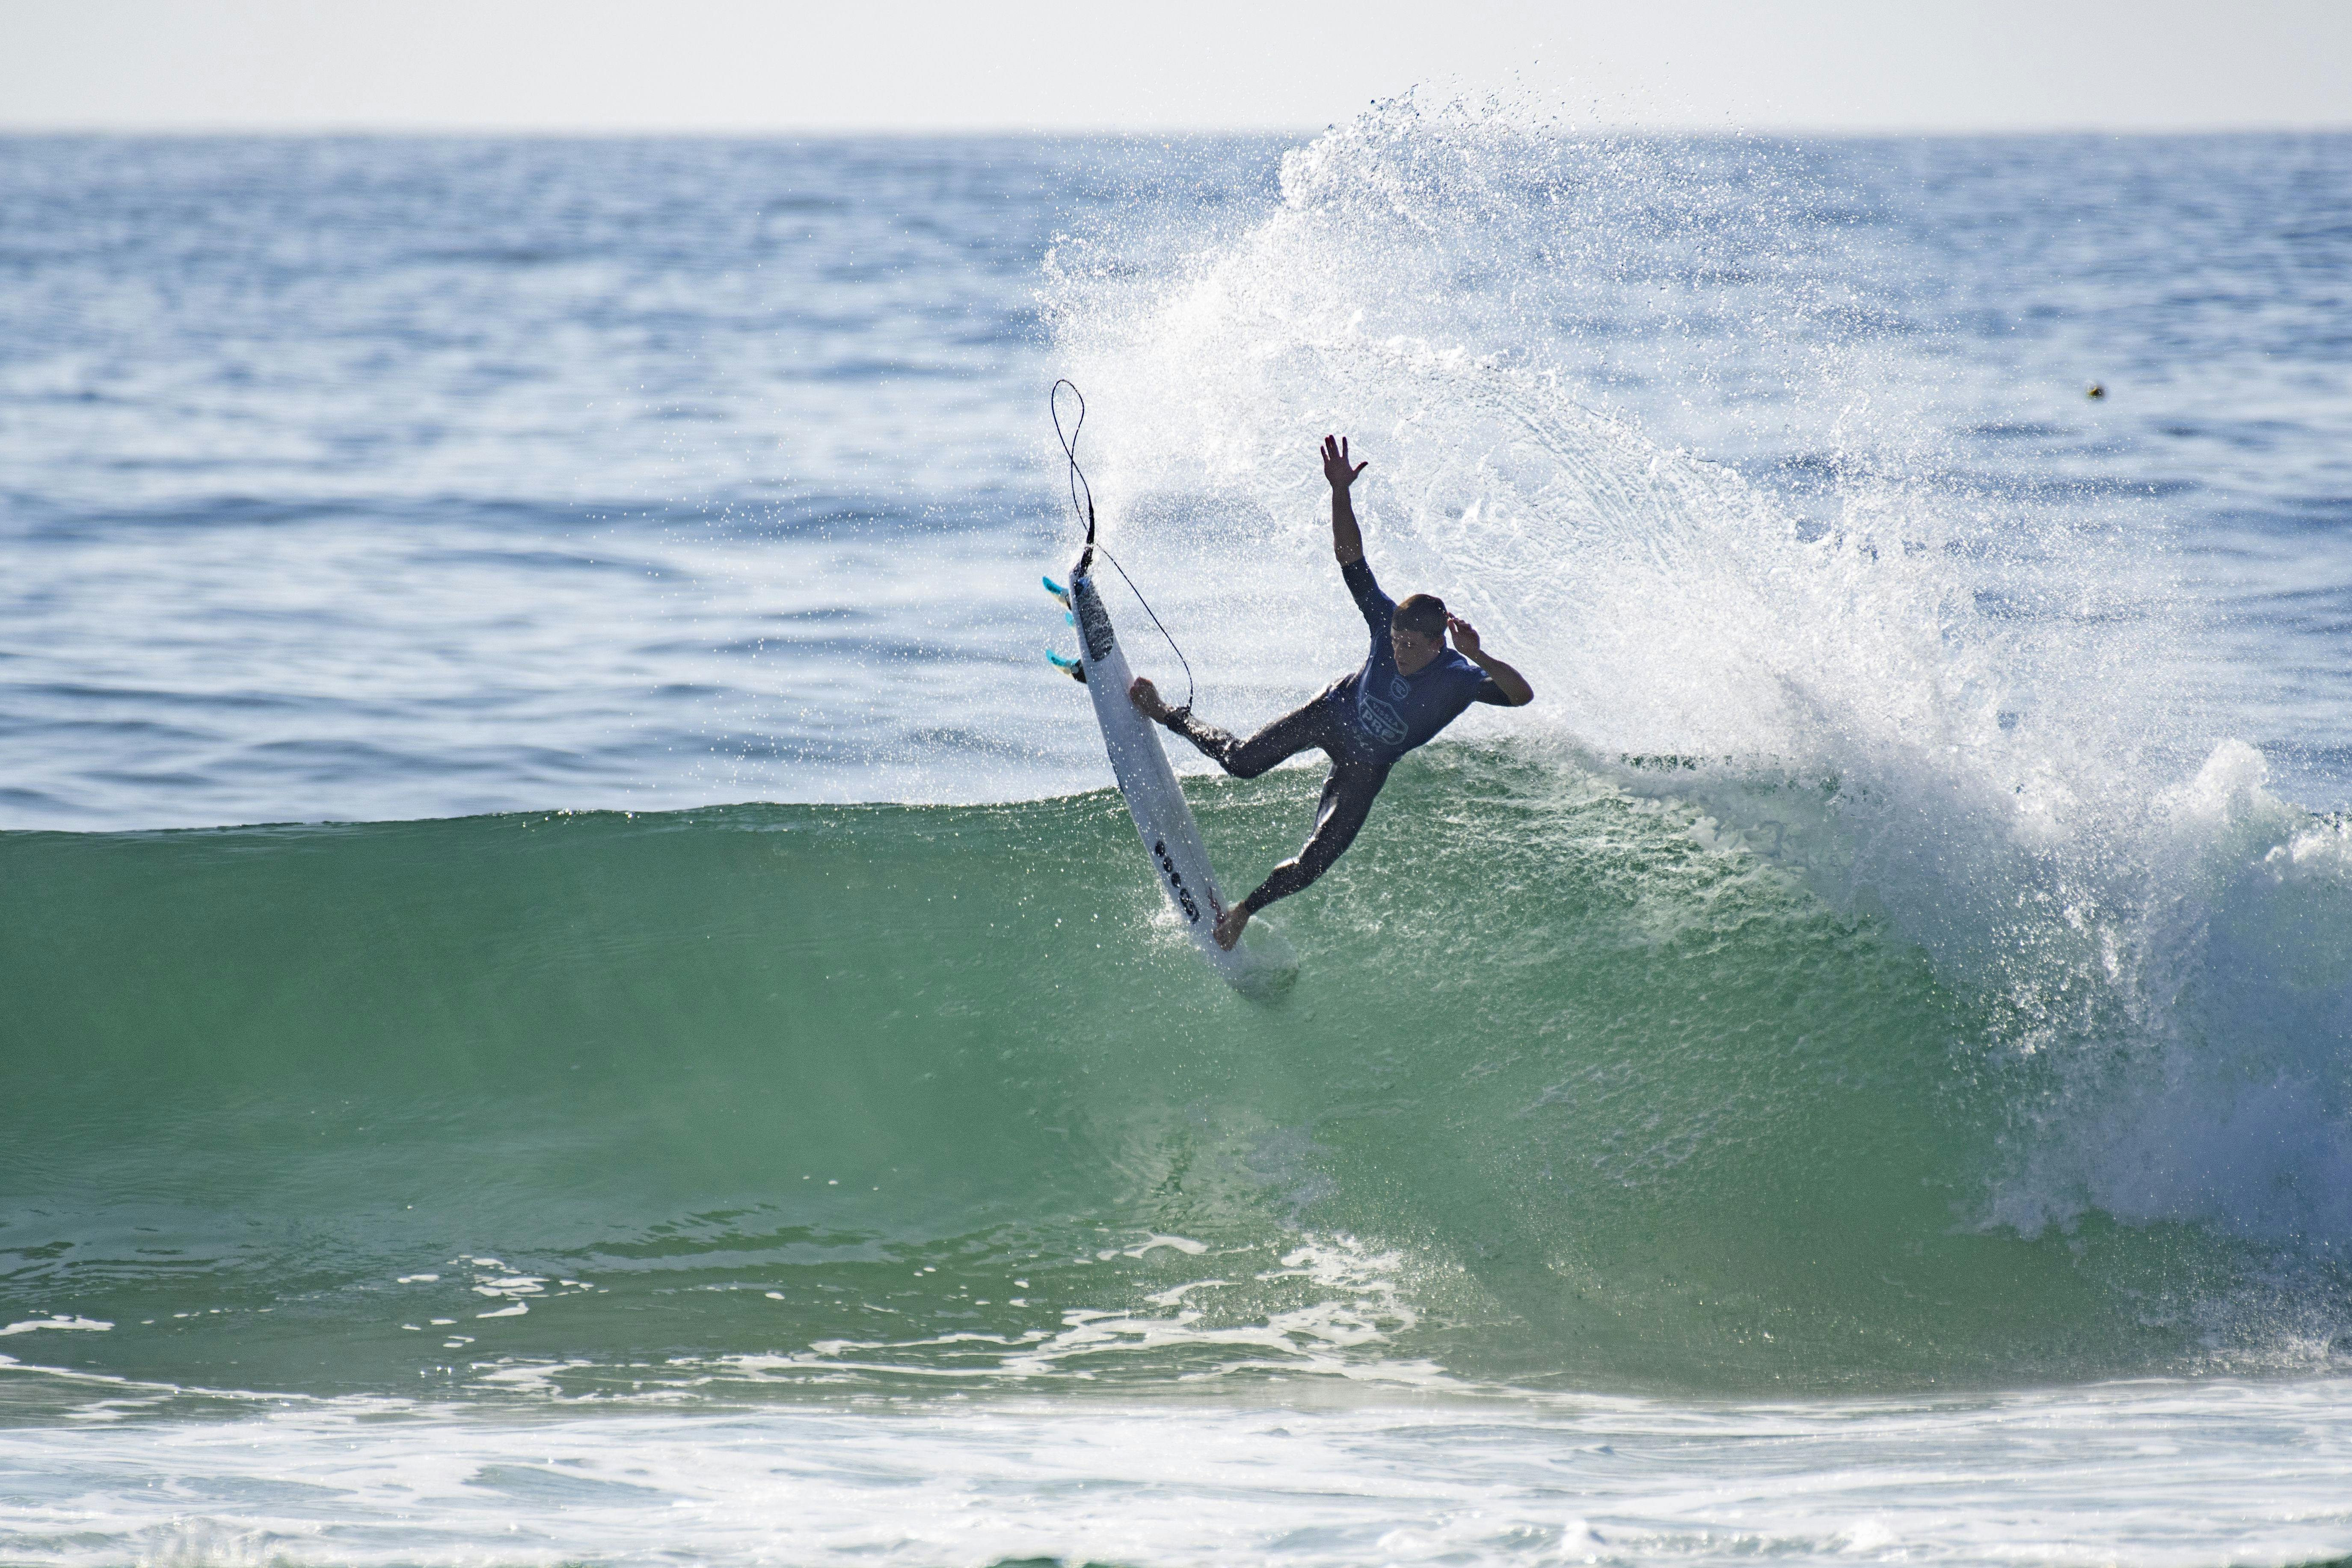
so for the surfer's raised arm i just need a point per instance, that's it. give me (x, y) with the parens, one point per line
(1511, 688)
(1347, 539)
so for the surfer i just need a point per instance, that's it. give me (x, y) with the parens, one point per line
(1411, 687)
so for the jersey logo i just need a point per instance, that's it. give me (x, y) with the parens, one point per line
(1400, 688)
(1382, 722)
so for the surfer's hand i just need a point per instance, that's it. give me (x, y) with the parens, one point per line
(1146, 698)
(1229, 927)
(1335, 463)
(1514, 688)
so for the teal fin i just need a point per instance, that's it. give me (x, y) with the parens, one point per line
(1075, 670)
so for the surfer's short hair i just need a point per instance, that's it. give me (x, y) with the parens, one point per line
(1423, 614)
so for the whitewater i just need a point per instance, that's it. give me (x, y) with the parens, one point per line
(576, 991)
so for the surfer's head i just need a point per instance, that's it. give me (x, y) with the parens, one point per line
(1417, 631)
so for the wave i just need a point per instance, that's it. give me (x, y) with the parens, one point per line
(1860, 970)
(1573, 1087)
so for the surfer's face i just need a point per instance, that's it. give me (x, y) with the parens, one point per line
(1412, 649)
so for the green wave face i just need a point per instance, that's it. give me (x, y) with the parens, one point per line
(811, 1100)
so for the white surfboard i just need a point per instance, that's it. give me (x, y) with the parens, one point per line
(1261, 961)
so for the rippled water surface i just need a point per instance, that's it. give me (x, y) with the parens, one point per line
(361, 478)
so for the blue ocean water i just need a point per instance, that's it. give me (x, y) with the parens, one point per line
(656, 1045)
(363, 479)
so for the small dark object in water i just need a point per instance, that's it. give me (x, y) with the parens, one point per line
(2098, 389)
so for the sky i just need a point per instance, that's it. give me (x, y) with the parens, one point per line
(597, 65)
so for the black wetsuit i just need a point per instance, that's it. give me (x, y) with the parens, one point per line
(1363, 721)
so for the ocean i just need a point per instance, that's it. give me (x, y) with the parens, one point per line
(577, 991)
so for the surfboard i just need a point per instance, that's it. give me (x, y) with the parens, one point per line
(1261, 961)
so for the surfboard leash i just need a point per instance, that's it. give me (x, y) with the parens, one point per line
(1085, 508)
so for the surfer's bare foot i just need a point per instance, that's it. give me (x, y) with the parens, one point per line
(1146, 698)
(1229, 926)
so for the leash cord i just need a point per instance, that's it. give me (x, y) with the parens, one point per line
(1085, 508)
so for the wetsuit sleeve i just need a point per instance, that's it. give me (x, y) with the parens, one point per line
(1378, 608)
(1490, 692)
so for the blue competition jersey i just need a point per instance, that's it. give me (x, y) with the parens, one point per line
(1395, 712)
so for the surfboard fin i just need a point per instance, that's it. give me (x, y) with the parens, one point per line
(1070, 667)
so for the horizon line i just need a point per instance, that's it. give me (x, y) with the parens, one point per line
(456, 131)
